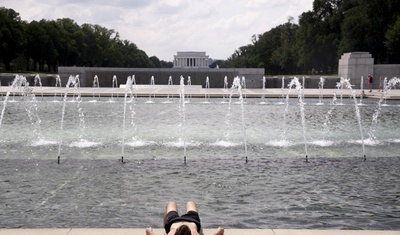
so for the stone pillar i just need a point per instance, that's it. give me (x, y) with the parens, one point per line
(356, 64)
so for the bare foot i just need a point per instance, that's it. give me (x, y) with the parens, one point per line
(149, 231)
(220, 231)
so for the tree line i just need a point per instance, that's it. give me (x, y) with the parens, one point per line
(316, 43)
(46, 44)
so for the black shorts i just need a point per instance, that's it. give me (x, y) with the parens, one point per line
(173, 216)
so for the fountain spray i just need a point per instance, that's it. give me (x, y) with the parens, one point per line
(387, 86)
(346, 82)
(282, 89)
(295, 82)
(128, 89)
(182, 115)
(263, 90)
(114, 85)
(96, 86)
(58, 84)
(237, 85)
(170, 83)
(38, 81)
(321, 87)
(207, 95)
(18, 82)
(71, 80)
(152, 94)
(362, 89)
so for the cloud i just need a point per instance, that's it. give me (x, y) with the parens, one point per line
(163, 27)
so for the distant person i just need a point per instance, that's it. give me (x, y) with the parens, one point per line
(370, 82)
(380, 84)
(186, 224)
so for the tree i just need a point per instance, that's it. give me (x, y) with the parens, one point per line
(392, 42)
(318, 37)
(11, 36)
(167, 64)
(365, 25)
(72, 46)
(156, 63)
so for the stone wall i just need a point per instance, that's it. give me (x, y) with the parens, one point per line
(7, 79)
(386, 70)
(254, 76)
(161, 75)
(357, 66)
(310, 82)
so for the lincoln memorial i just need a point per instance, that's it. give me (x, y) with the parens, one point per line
(191, 59)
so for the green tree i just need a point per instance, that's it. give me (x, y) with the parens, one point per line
(72, 46)
(392, 42)
(37, 40)
(11, 36)
(318, 37)
(365, 25)
(155, 62)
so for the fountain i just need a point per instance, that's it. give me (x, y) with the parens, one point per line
(114, 85)
(96, 86)
(362, 90)
(339, 86)
(295, 83)
(283, 91)
(225, 89)
(274, 185)
(152, 94)
(386, 88)
(321, 87)
(189, 83)
(182, 117)
(346, 82)
(304, 86)
(207, 88)
(328, 122)
(128, 92)
(237, 85)
(263, 91)
(71, 81)
(243, 84)
(38, 82)
(18, 82)
(57, 85)
(170, 84)
(226, 82)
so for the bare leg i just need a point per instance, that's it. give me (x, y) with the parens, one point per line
(171, 206)
(191, 206)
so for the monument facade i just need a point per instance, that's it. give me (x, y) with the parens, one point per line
(191, 59)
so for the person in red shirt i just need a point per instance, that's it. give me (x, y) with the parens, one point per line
(370, 82)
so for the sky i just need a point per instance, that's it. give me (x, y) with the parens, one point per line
(163, 27)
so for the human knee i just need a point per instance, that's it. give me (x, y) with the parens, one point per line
(191, 206)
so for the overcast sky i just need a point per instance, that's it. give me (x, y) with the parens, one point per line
(163, 27)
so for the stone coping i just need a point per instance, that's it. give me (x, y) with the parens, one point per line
(197, 91)
(141, 231)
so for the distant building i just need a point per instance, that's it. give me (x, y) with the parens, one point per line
(191, 59)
